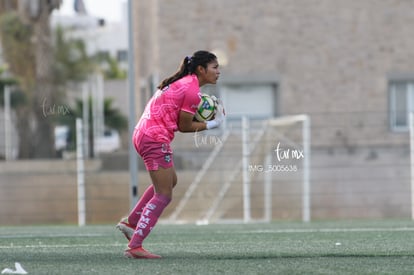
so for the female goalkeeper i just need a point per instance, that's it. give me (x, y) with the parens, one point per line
(171, 109)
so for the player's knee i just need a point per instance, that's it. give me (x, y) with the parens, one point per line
(164, 190)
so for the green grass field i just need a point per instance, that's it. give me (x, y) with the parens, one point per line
(376, 247)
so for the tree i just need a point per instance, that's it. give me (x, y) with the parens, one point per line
(37, 14)
(42, 66)
(27, 48)
(74, 64)
(71, 60)
(19, 56)
(112, 116)
(111, 68)
(41, 76)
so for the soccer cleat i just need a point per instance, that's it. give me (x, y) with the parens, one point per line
(126, 228)
(140, 253)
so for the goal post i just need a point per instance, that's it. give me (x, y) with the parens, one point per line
(306, 158)
(237, 182)
(251, 140)
(411, 121)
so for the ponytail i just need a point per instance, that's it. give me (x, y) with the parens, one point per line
(189, 66)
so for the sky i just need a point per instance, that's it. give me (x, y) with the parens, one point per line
(111, 10)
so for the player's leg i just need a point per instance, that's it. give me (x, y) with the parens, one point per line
(145, 148)
(163, 179)
(128, 224)
(135, 214)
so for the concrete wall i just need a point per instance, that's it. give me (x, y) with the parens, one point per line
(361, 184)
(45, 192)
(34, 192)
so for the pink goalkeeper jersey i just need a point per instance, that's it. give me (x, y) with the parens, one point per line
(160, 118)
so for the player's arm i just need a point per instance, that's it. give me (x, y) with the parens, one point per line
(187, 124)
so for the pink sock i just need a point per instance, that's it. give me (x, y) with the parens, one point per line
(149, 218)
(135, 214)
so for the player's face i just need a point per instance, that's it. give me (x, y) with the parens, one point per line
(210, 74)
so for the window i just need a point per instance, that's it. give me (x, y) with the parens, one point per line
(122, 55)
(401, 104)
(255, 100)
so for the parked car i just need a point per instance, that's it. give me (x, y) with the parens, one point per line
(108, 143)
(62, 138)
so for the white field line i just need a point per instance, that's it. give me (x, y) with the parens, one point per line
(332, 230)
(60, 235)
(60, 245)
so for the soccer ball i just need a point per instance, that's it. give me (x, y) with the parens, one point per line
(206, 109)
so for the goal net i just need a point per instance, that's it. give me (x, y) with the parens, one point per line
(259, 171)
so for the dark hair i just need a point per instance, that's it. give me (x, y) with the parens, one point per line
(189, 66)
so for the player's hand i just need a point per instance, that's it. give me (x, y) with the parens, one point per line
(220, 112)
(218, 117)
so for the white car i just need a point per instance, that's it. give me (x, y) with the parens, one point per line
(61, 138)
(109, 142)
